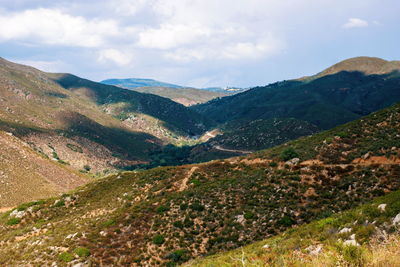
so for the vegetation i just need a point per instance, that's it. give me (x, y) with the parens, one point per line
(145, 217)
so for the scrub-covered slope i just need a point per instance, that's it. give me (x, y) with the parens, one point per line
(170, 215)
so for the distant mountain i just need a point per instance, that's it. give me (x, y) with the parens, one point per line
(136, 82)
(181, 94)
(341, 93)
(184, 96)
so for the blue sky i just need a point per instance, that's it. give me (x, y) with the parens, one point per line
(198, 43)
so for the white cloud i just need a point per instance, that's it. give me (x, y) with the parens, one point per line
(172, 35)
(115, 56)
(48, 66)
(355, 23)
(53, 27)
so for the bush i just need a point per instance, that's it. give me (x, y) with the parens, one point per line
(75, 148)
(87, 168)
(158, 239)
(82, 252)
(162, 209)
(286, 221)
(13, 221)
(66, 257)
(197, 206)
(288, 154)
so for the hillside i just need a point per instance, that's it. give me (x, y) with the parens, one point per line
(91, 126)
(364, 236)
(172, 214)
(340, 94)
(184, 96)
(25, 175)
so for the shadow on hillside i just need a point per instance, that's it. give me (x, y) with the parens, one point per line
(123, 143)
(176, 117)
(325, 101)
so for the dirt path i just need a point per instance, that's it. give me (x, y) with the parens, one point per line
(2, 210)
(232, 150)
(185, 180)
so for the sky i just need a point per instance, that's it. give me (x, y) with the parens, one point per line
(199, 43)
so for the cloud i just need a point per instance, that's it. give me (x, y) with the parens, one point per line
(115, 56)
(355, 23)
(172, 35)
(53, 27)
(48, 66)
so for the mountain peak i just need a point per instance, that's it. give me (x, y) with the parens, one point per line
(367, 65)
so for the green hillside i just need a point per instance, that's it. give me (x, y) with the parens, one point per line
(342, 93)
(172, 214)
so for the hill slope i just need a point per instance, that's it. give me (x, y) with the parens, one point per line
(340, 94)
(172, 214)
(85, 123)
(184, 96)
(26, 175)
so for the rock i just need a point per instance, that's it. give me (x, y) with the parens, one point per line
(314, 250)
(240, 219)
(396, 220)
(366, 156)
(345, 230)
(17, 214)
(351, 242)
(382, 207)
(266, 246)
(293, 161)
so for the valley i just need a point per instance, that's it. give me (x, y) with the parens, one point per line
(98, 175)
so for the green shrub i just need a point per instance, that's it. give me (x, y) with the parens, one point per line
(162, 209)
(66, 257)
(82, 252)
(273, 164)
(286, 221)
(248, 215)
(75, 148)
(110, 222)
(288, 154)
(87, 168)
(13, 221)
(158, 239)
(197, 206)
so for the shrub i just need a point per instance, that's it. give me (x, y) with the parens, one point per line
(158, 239)
(87, 168)
(286, 221)
(75, 148)
(288, 154)
(66, 257)
(248, 215)
(13, 221)
(197, 206)
(273, 164)
(162, 209)
(82, 252)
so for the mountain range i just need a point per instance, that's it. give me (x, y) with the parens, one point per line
(285, 165)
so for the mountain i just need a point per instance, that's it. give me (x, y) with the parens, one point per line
(169, 215)
(184, 96)
(135, 83)
(88, 125)
(344, 92)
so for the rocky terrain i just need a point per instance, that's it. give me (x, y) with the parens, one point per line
(172, 214)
